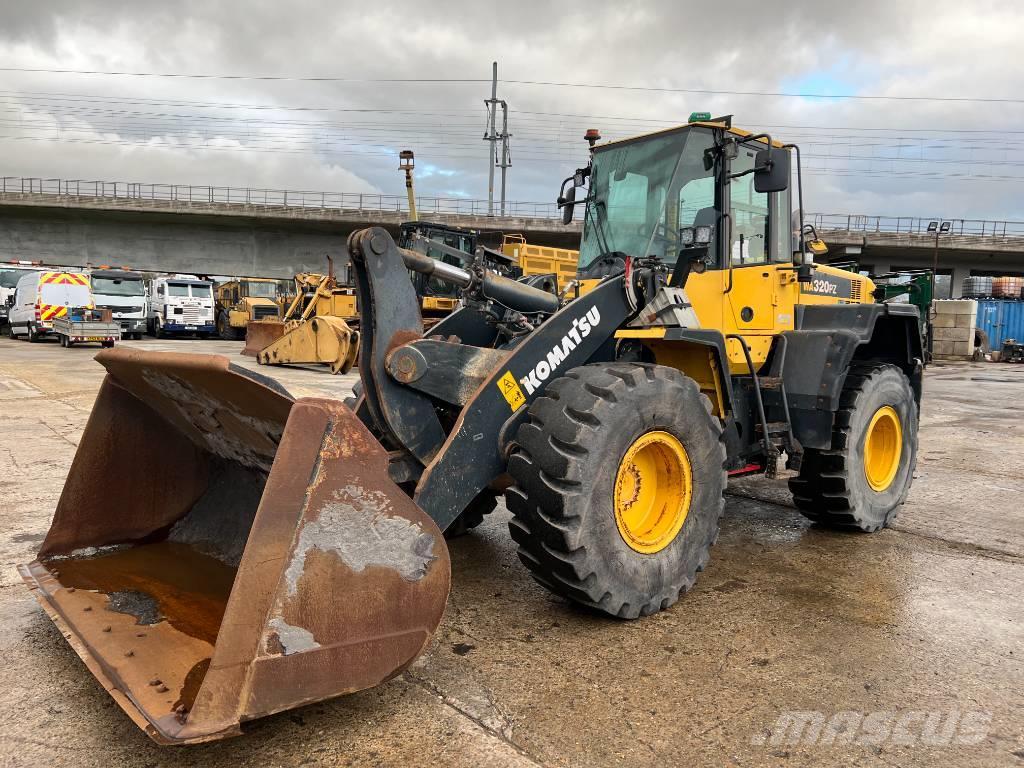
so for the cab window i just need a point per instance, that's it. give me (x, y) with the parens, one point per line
(750, 233)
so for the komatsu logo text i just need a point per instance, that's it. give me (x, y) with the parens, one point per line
(581, 328)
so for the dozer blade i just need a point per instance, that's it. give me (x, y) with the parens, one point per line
(324, 339)
(260, 334)
(221, 551)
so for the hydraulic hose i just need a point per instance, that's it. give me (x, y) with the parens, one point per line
(507, 292)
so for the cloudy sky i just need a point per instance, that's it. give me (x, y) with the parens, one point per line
(935, 129)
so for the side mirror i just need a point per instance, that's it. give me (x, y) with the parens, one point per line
(772, 171)
(567, 203)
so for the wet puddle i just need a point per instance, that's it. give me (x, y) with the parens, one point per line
(165, 581)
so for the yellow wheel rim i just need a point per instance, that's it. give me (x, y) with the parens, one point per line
(883, 447)
(653, 490)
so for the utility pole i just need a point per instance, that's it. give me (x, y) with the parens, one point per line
(506, 158)
(491, 135)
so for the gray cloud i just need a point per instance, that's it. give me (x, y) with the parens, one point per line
(152, 131)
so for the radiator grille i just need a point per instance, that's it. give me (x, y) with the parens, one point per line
(261, 312)
(192, 315)
(124, 310)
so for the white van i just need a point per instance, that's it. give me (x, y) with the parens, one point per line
(9, 277)
(124, 294)
(40, 297)
(181, 304)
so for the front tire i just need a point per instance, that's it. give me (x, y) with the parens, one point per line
(862, 480)
(619, 482)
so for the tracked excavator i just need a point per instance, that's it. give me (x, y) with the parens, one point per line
(277, 551)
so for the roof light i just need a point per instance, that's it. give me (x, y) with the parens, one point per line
(945, 226)
(933, 226)
(699, 117)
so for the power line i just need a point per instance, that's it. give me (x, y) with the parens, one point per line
(638, 121)
(540, 83)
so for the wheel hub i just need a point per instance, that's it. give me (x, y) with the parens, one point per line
(653, 490)
(883, 448)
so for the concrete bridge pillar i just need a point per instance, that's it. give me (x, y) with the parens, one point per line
(956, 288)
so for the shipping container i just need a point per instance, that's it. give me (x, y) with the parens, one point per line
(1001, 319)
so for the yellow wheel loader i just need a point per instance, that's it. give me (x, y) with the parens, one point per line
(277, 551)
(317, 327)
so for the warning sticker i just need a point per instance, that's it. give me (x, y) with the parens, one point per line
(510, 390)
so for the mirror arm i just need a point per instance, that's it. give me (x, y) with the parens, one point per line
(799, 196)
(749, 170)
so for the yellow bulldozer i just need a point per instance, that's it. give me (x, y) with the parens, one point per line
(317, 327)
(275, 551)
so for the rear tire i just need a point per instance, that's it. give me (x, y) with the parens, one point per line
(833, 487)
(568, 502)
(33, 337)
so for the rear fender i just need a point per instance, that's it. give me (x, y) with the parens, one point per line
(828, 340)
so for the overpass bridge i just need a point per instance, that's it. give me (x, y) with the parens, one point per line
(226, 230)
(274, 233)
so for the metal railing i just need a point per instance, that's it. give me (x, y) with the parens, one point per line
(190, 194)
(914, 225)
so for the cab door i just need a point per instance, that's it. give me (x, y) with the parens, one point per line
(751, 298)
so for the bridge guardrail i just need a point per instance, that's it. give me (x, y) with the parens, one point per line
(914, 225)
(271, 198)
(366, 201)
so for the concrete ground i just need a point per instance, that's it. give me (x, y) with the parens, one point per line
(921, 625)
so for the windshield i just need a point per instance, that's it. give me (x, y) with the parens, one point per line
(182, 289)
(116, 286)
(643, 192)
(260, 290)
(9, 278)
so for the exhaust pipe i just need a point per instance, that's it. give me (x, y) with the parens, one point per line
(261, 559)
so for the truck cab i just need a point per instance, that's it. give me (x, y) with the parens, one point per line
(181, 305)
(124, 294)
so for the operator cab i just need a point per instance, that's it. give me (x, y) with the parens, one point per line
(708, 192)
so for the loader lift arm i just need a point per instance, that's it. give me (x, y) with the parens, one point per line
(461, 463)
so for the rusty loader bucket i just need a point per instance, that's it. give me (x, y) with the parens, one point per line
(260, 334)
(221, 551)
